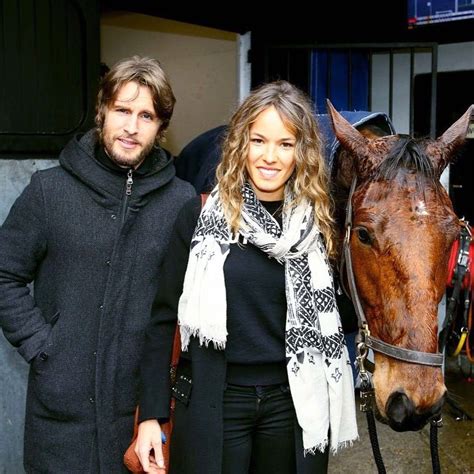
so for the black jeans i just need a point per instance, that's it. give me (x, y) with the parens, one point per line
(259, 432)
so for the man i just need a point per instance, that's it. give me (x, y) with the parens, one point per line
(91, 234)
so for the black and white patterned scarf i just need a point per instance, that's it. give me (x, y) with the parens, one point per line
(318, 366)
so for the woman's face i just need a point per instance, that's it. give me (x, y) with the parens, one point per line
(271, 157)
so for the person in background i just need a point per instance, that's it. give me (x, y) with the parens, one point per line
(91, 234)
(198, 160)
(264, 382)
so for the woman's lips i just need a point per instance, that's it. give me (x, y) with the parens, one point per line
(268, 172)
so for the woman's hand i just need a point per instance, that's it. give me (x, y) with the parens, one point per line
(149, 437)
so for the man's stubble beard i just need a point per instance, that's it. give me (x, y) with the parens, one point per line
(125, 161)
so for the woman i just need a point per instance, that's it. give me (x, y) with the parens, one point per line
(264, 382)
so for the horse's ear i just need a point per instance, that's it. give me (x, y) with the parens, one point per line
(349, 137)
(443, 149)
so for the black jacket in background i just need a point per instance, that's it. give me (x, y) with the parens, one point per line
(198, 160)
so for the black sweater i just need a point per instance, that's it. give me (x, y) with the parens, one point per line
(256, 302)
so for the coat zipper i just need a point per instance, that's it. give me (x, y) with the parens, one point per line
(128, 193)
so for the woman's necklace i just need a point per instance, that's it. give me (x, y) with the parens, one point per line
(277, 211)
(274, 208)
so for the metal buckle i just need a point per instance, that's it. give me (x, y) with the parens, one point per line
(366, 389)
(437, 422)
(366, 399)
(347, 237)
(466, 226)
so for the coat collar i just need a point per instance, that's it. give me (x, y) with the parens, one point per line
(79, 159)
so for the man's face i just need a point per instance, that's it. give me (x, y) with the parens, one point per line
(130, 126)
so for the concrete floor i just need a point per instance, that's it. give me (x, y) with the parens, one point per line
(410, 452)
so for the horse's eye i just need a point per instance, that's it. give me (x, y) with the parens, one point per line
(364, 236)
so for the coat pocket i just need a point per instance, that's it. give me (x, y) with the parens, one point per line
(61, 380)
(48, 344)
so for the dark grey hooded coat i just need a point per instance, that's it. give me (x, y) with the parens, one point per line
(94, 256)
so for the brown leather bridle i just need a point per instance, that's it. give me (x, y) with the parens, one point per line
(365, 338)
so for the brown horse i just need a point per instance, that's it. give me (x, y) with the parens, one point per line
(403, 226)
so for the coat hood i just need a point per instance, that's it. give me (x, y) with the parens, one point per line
(78, 159)
(356, 118)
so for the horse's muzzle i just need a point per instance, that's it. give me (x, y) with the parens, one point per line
(402, 415)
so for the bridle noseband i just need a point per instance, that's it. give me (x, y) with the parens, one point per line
(365, 339)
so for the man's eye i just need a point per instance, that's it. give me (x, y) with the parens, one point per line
(122, 111)
(147, 116)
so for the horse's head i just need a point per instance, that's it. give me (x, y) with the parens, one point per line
(403, 226)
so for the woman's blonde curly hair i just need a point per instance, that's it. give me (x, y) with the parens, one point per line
(310, 179)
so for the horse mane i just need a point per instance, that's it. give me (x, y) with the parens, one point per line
(407, 154)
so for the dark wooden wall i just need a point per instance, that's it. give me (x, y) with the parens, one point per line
(49, 63)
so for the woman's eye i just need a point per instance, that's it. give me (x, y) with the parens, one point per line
(257, 141)
(364, 236)
(287, 145)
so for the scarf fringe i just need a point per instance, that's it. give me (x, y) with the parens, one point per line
(187, 333)
(321, 447)
(344, 444)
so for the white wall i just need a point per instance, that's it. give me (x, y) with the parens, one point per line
(451, 57)
(14, 176)
(244, 69)
(200, 62)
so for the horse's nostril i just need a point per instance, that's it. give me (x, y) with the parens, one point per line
(399, 410)
(402, 415)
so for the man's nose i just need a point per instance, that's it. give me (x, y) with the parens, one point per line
(131, 125)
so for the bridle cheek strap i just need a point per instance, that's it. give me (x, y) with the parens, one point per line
(377, 345)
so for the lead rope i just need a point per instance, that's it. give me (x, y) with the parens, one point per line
(374, 441)
(366, 398)
(434, 425)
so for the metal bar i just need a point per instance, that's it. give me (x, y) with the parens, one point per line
(434, 89)
(308, 61)
(369, 86)
(349, 81)
(266, 62)
(375, 46)
(328, 75)
(390, 86)
(412, 100)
